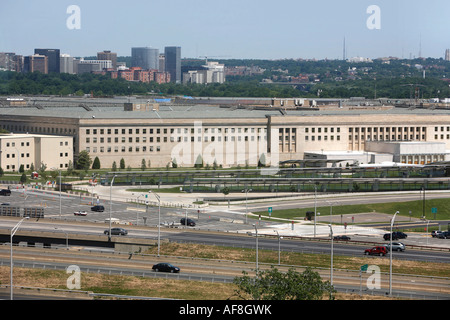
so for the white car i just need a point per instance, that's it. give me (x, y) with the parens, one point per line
(396, 246)
(80, 213)
(435, 234)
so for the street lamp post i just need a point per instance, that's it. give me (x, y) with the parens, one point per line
(279, 247)
(423, 201)
(315, 208)
(60, 194)
(256, 229)
(54, 168)
(110, 206)
(93, 182)
(390, 249)
(159, 219)
(13, 232)
(331, 209)
(246, 206)
(331, 268)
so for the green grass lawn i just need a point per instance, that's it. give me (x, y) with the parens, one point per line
(416, 208)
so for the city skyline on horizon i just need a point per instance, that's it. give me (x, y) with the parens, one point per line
(232, 30)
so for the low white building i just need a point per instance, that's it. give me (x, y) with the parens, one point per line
(26, 149)
(379, 152)
(212, 72)
(411, 152)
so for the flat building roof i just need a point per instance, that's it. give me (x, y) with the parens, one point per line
(200, 111)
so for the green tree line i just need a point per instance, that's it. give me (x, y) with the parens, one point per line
(375, 86)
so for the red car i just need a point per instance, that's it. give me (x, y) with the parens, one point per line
(378, 250)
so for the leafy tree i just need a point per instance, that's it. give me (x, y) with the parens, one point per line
(225, 191)
(42, 172)
(122, 164)
(275, 285)
(143, 165)
(114, 166)
(96, 164)
(70, 168)
(54, 174)
(23, 178)
(84, 160)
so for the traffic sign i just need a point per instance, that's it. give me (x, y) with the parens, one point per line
(364, 267)
(269, 209)
(434, 210)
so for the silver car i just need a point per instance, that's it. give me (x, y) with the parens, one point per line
(396, 246)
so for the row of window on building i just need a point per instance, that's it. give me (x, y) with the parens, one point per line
(41, 130)
(95, 140)
(174, 131)
(13, 144)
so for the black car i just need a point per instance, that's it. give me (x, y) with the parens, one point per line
(189, 222)
(98, 208)
(444, 235)
(165, 267)
(5, 192)
(345, 238)
(117, 232)
(395, 235)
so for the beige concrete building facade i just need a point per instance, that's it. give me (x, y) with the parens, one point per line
(32, 150)
(230, 136)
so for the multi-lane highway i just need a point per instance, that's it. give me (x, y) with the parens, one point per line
(353, 248)
(60, 219)
(230, 233)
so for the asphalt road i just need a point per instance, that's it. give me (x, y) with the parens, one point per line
(212, 219)
(355, 247)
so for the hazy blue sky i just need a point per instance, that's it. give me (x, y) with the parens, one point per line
(258, 29)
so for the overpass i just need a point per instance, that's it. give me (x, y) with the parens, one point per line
(47, 239)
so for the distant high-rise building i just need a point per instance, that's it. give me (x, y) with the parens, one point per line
(36, 62)
(145, 58)
(447, 55)
(18, 63)
(7, 61)
(162, 62)
(108, 55)
(66, 64)
(173, 63)
(53, 58)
